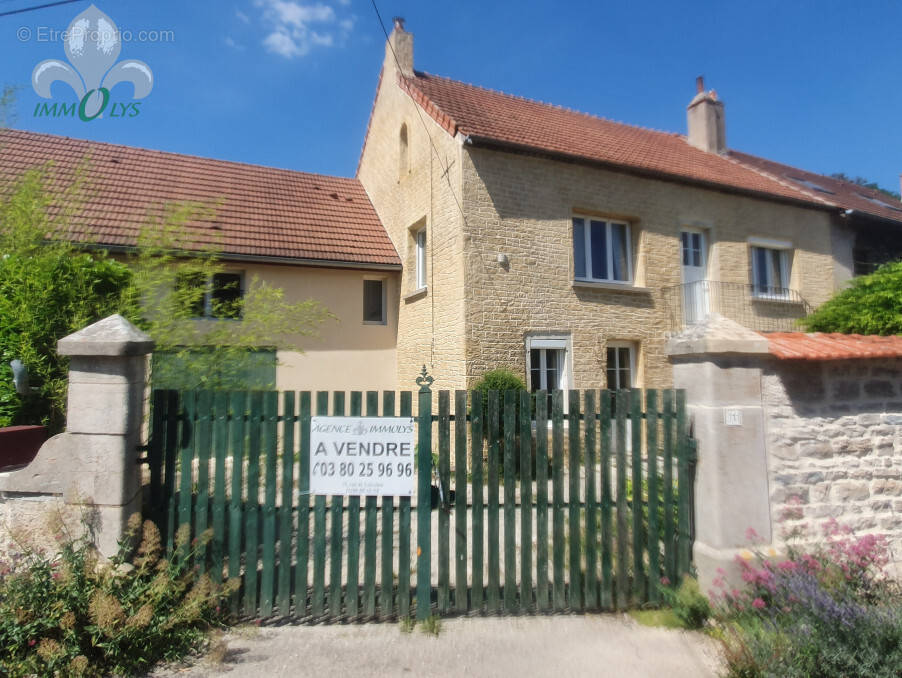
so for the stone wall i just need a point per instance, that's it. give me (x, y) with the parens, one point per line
(500, 248)
(430, 321)
(787, 443)
(521, 206)
(834, 444)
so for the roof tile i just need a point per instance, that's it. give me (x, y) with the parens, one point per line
(507, 119)
(258, 211)
(818, 346)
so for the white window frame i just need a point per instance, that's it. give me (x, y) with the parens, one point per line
(633, 349)
(587, 249)
(420, 244)
(785, 248)
(555, 343)
(384, 282)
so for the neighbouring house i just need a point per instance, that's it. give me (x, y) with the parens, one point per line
(314, 236)
(485, 230)
(566, 246)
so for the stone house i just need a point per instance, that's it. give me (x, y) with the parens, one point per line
(565, 246)
(485, 230)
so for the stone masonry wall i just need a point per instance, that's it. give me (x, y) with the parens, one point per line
(521, 206)
(430, 324)
(834, 444)
(477, 311)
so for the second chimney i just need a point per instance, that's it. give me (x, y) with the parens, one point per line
(399, 50)
(705, 117)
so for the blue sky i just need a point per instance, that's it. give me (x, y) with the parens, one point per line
(290, 83)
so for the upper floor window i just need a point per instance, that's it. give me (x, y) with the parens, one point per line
(374, 301)
(421, 258)
(219, 296)
(403, 152)
(770, 268)
(601, 250)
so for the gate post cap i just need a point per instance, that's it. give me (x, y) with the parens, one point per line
(717, 334)
(112, 336)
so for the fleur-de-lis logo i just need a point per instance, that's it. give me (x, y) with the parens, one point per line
(92, 45)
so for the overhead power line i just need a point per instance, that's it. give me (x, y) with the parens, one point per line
(37, 7)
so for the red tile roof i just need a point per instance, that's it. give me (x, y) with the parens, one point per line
(817, 346)
(495, 117)
(843, 194)
(259, 211)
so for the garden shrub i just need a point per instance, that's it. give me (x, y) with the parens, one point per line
(687, 602)
(871, 304)
(828, 611)
(47, 290)
(72, 615)
(501, 380)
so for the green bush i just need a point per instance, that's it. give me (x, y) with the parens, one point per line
(688, 603)
(74, 616)
(872, 304)
(47, 290)
(501, 379)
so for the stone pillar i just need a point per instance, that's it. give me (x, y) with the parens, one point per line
(718, 363)
(94, 464)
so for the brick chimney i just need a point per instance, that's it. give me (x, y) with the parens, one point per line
(705, 117)
(401, 43)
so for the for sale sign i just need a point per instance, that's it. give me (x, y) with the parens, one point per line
(362, 456)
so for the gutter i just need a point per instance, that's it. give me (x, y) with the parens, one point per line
(494, 144)
(264, 259)
(851, 214)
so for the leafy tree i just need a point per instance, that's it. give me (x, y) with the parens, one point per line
(47, 290)
(871, 305)
(208, 342)
(50, 288)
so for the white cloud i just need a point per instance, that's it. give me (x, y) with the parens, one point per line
(230, 42)
(295, 27)
(284, 45)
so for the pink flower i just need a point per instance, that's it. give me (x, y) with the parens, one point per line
(758, 604)
(32, 642)
(665, 581)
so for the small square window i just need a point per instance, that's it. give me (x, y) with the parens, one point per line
(225, 296)
(374, 301)
(219, 296)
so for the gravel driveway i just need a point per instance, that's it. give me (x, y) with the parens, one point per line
(562, 646)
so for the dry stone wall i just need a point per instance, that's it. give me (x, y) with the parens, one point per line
(834, 444)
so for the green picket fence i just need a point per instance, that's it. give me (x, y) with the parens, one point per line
(612, 469)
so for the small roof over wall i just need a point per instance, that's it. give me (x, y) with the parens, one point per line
(818, 346)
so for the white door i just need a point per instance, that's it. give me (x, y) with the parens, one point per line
(695, 276)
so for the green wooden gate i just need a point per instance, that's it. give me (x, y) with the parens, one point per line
(613, 470)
